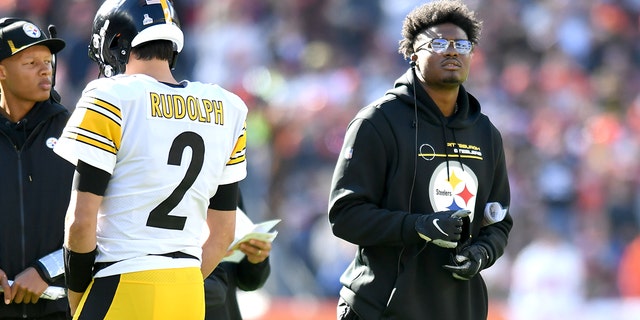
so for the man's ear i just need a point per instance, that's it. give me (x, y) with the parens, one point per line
(3, 72)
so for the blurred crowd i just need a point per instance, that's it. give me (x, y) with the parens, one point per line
(559, 78)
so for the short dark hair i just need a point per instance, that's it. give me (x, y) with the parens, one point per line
(156, 49)
(436, 13)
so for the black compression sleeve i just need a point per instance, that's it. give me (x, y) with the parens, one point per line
(240, 200)
(90, 179)
(226, 197)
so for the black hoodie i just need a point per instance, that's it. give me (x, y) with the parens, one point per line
(35, 187)
(401, 158)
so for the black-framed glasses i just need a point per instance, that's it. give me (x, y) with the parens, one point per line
(440, 45)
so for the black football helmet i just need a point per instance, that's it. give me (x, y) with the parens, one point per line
(120, 25)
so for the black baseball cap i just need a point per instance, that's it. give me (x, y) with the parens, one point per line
(19, 34)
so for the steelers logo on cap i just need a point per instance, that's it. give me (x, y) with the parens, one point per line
(31, 30)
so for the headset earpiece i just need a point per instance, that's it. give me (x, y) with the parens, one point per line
(414, 58)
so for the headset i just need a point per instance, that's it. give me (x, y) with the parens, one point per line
(413, 64)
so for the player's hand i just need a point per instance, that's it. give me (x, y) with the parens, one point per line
(6, 288)
(468, 262)
(443, 228)
(27, 286)
(256, 250)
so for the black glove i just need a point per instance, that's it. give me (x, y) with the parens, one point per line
(443, 228)
(468, 262)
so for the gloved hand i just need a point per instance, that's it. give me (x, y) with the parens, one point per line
(443, 228)
(468, 262)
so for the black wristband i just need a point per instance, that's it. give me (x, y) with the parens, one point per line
(78, 269)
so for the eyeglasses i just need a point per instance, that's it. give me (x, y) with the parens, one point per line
(439, 45)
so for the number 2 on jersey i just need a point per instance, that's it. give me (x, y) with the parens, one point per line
(159, 216)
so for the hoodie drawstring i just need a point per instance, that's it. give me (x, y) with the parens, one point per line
(446, 148)
(453, 131)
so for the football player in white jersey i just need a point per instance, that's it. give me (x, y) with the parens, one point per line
(157, 162)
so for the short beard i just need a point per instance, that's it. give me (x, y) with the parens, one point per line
(452, 81)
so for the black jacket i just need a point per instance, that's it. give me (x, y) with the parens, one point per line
(401, 158)
(221, 285)
(35, 186)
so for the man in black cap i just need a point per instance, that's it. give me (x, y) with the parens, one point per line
(35, 183)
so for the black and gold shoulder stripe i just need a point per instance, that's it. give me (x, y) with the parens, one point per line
(240, 150)
(100, 127)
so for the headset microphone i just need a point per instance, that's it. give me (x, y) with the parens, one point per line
(53, 33)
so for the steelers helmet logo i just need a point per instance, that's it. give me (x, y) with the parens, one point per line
(453, 188)
(31, 30)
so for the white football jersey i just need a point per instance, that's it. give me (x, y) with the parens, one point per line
(167, 149)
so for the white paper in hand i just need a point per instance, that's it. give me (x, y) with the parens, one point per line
(247, 230)
(51, 293)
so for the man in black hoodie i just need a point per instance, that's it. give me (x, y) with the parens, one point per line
(421, 184)
(35, 183)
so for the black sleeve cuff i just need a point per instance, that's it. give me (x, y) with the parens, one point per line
(490, 255)
(50, 267)
(42, 272)
(90, 179)
(226, 198)
(252, 276)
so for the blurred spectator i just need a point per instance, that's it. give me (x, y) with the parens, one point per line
(547, 280)
(628, 275)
